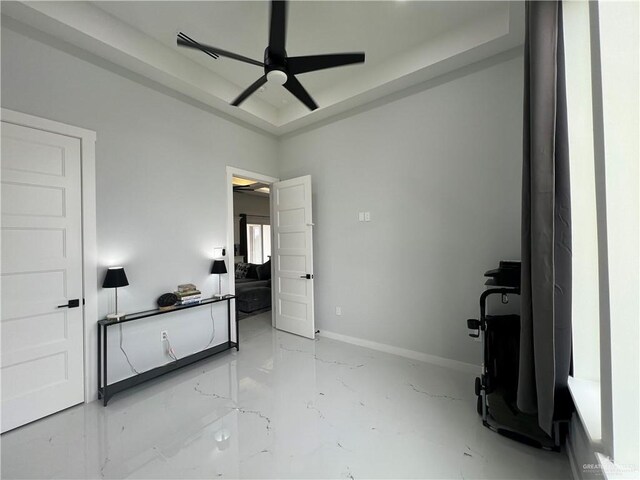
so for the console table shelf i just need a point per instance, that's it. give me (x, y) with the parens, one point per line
(106, 390)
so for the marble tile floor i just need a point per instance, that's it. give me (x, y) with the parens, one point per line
(282, 407)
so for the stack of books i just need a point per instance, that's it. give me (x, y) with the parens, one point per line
(188, 294)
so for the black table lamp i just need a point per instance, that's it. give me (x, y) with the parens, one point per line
(219, 268)
(115, 278)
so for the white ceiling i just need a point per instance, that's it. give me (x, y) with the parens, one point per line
(405, 43)
(381, 29)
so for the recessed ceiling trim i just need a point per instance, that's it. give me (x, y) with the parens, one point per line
(88, 27)
(94, 30)
(475, 41)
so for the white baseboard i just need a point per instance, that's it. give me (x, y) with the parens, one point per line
(403, 352)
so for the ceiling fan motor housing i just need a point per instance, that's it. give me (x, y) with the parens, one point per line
(275, 60)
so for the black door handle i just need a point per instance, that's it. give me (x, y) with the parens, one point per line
(72, 303)
(308, 276)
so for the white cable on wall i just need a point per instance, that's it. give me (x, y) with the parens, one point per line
(213, 327)
(170, 351)
(125, 354)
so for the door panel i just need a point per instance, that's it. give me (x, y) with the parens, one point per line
(27, 155)
(291, 286)
(42, 345)
(24, 199)
(293, 254)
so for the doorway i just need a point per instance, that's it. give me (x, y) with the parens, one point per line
(291, 279)
(249, 240)
(251, 247)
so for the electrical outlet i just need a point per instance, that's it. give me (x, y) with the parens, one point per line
(361, 216)
(367, 216)
(164, 335)
(338, 311)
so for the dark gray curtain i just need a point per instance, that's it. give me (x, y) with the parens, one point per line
(243, 236)
(545, 334)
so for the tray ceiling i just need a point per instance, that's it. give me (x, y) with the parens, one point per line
(406, 43)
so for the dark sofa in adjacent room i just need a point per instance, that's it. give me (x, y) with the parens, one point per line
(253, 287)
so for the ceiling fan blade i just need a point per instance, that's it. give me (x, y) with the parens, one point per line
(278, 26)
(216, 51)
(311, 63)
(252, 88)
(196, 44)
(294, 86)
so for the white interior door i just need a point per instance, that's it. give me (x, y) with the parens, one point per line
(42, 343)
(293, 254)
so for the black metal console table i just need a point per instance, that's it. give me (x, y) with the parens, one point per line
(106, 390)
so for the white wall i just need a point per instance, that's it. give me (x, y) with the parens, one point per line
(440, 172)
(161, 192)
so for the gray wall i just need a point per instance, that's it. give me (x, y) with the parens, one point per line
(161, 193)
(439, 171)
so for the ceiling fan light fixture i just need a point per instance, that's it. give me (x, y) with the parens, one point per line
(277, 77)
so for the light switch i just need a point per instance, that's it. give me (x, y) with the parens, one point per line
(361, 216)
(367, 216)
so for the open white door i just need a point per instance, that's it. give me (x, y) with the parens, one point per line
(292, 253)
(42, 323)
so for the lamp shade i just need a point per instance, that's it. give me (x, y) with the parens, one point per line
(115, 278)
(218, 267)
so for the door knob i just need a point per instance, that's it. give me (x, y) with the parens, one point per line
(72, 303)
(308, 276)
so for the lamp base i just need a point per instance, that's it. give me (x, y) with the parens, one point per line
(116, 316)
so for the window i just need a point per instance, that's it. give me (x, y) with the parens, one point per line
(584, 229)
(258, 243)
(601, 60)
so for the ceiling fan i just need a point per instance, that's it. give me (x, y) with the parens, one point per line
(278, 67)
